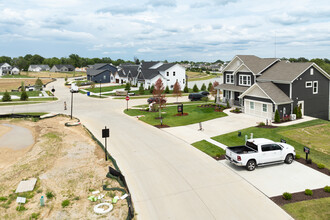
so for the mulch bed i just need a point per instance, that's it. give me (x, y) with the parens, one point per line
(326, 171)
(183, 114)
(300, 196)
(266, 126)
(159, 118)
(235, 112)
(222, 157)
(161, 126)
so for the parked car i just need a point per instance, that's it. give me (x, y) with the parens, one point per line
(260, 151)
(198, 96)
(156, 100)
(74, 88)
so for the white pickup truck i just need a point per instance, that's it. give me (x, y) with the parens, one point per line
(260, 151)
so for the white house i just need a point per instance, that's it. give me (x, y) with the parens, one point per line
(5, 68)
(38, 68)
(15, 70)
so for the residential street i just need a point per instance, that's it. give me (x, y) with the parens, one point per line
(168, 178)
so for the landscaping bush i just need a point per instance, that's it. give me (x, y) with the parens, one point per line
(327, 189)
(205, 99)
(261, 124)
(128, 87)
(195, 88)
(65, 203)
(237, 110)
(320, 166)
(2, 198)
(6, 97)
(186, 90)
(24, 96)
(287, 196)
(49, 195)
(228, 106)
(38, 85)
(141, 89)
(203, 88)
(167, 90)
(152, 88)
(209, 88)
(277, 116)
(298, 156)
(308, 192)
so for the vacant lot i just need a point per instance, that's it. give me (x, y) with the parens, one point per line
(9, 84)
(193, 76)
(53, 74)
(68, 166)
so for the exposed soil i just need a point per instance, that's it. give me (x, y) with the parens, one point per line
(300, 196)
(183, 114)
(9, 84)
(66, 162)
(326, 171)
(222, 157)
(266, 126)
(162, 126)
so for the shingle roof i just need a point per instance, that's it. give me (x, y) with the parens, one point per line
(133, 69)
(232, 87)
(256, 64)
(283, 71)
(59, 66)
(274, 93)
(147, 65)
(93, 72)
(165, 66)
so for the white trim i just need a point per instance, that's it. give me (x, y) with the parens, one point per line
(309, 82)
(316, 87)
(239, 80)
(224, 69)
(274, 81)
(290, 90)
(263, 107)
(318, 68)
(232, 74)
(243, 64)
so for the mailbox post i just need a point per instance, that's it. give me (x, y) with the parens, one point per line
(307, 151)
(105, 135)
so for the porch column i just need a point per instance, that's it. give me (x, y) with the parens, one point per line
(218, 96)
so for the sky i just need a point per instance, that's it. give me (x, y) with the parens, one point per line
(173, 30)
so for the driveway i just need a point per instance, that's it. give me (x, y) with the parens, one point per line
(274, 180)
(214, 127)
(167, 177)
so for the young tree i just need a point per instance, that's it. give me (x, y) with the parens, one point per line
(38, 85)
(141, 89)
(24, 96)
(195, 88)
(214, 90)
(22, 86)
(186, 90)
(299, 113)
(152, 88)
(158, 94)
(203, 88)
(92, 85)
(128, 87)
(277, 116)
(6, 97)
(209, 88)
(167, 90)
(177, 90)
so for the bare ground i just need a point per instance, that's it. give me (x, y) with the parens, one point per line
(9, 84)
(67, 162)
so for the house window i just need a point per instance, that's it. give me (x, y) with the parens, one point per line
(171, 86)
(284, 111)
(183, 81)
(167, 74)
(312, 71)
(315, 87)
(264, 107)
(230, 79)
(245, 80)
(173, 73)
(308, 84)
(104, 77)
(251, 105)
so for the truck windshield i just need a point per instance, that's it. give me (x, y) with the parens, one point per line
(252, 145)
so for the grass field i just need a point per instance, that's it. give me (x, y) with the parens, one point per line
(195, 115)
(53, 74)
(317, 209)
(15, 76)
(9, 84)
(295, 135)
(194, 76)
(105, 89)
(208, 148)
(30, 93)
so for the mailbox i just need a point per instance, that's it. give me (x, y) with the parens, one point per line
(307, 150)
(180, 108)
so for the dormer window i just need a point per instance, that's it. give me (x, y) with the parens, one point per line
(229, 78)
(245, 80)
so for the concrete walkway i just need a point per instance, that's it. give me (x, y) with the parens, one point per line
(216, 143)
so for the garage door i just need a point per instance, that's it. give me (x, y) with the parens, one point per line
(259, 109)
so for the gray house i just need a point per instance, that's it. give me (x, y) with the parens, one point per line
(101, 72)
(62, 68)
(262, 86)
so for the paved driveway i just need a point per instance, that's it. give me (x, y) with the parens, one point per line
(274, 180)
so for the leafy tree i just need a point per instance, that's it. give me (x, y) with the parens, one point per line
(22, 86)
(36, 59)
(24, 96)
(6, 97)
(38, 85)
(214, 90)
(128, 87)
(209, 88)
(195, 88)
(186, 90)
(136, 60)
(177, 90)
(277, 116)
(5, 59)
(158, 94)
(75, 60)
(203, 88)
(167, 90)
(141, 89)
(152, 88)
(299, 113)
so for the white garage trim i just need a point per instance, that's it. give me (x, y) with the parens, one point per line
(258, 109)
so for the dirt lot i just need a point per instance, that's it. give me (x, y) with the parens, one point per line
(9, 84)
(67, 163)
(53, 74)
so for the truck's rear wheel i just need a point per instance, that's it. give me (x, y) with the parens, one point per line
(289, 159)
(251, 165)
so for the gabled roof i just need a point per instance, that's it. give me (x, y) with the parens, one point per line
(132, 69)
(166, 66)
(147, 65)
(93, 72)
(272, 91)
(59, 66)
(42, 66)
(256, 64)
(100, 65)
(4, 63)
(232, 87)
(150, 73)
(283, 71)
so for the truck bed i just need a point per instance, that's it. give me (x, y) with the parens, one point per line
(241, 149)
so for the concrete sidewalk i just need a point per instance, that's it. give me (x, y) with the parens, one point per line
(216, 143)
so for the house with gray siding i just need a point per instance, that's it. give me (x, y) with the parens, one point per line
(62, 68)
(101, 72)
(260, 86)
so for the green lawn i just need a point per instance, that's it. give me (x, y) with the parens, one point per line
(316, 209)
(30, 93)
(105, 89)
(209, 148)
(292, 135)
(18, 103)
(15, 76)
(196, 115)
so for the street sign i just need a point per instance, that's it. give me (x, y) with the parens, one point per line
(53, 90)
(127, 98)
(105, 133)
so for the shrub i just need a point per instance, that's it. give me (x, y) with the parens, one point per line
(218, 155)
(6, 97)
(228, 106)
(49, 195)
(308, 192)
(92, 85)
(327, 189)
(209, 88)
(2, 198)
(205, 99)
(195, 88)
(261, 124)
(203, 88)
(24, 96)
(320, 166)
(298, 156)
(38, 85)
(65, 203)
(20, 208)
(237, 110)
(35, 215)
(66, 78)
(152, 88)
(128, 87)
(141, 89)
(277, 116)
(287, 196)
(295, 110)
(167, 90)
(186, 90)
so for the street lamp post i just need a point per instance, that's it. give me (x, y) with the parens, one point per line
(100, 88)
(71, 103)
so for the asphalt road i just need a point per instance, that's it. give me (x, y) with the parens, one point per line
(168, 178)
